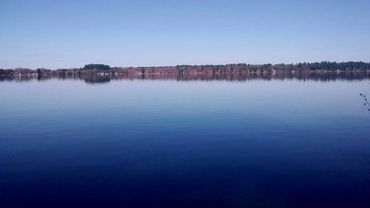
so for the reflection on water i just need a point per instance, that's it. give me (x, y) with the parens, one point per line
(97, 79)
(165, 143)
(288, 75)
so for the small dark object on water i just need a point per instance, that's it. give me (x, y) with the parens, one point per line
(366, 102)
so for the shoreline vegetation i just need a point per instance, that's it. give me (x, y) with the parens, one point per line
(100, 73)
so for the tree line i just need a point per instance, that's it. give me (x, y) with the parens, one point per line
(325, 65)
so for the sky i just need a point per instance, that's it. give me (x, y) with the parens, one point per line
(71, 33)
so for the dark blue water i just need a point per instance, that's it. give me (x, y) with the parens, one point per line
(65, 143)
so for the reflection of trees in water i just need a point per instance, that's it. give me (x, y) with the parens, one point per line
(201, 75)
(97, 79)
(366, 101)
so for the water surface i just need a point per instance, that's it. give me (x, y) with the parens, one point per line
(168, 143)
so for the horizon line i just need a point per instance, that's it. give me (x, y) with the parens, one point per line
(146, 66)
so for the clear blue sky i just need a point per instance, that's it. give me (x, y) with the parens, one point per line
(71, 33)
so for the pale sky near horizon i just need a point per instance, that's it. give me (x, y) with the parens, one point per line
(71, 33)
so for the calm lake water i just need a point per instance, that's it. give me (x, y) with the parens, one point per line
(168, 143)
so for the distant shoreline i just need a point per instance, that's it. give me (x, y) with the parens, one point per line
(303, 65)
(101, 72)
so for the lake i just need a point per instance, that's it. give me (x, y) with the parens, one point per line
(171, 143)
